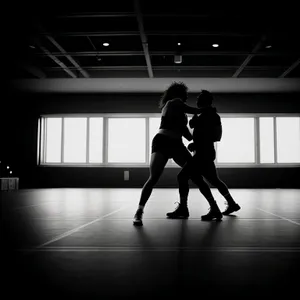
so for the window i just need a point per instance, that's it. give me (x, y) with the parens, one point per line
(53, 140)
(74, 140)
(109, 140)
(126, 140)
(266, 140)
(288, 139)
(96, 140)
(237, 145)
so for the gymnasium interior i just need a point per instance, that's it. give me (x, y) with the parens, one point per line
(82, 86)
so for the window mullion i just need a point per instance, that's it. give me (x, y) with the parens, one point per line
(147, 141)
(105, 140)
(43, 140)
(275, 140)
(257, 140)
(87, 140)
(62, 140)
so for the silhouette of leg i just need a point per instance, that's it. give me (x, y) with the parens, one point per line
(197, 178)
(181, 157)
(211, 174)
(191, 171)
(157, 165)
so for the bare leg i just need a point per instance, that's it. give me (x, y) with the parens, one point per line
(157, 165)
(211, 174)
(192, 171)
(183, 159)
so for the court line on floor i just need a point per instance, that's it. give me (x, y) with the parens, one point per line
(283, 218)
(156, 219)
(69, 232)
(163, 249)
(227, 218)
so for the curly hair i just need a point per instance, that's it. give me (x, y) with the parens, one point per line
(175, 90)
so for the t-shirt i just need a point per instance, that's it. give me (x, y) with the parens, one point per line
(207, 129)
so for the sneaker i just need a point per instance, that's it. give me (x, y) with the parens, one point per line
(214, 213)
(181, 212)
(231, 208)
(137, 220)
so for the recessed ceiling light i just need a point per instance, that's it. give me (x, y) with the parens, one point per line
(105, 44)
(178, 44)
(215, 45)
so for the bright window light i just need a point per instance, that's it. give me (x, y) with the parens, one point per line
(67, 140)
(53, 140)
(266, 140)
(75, 140)
(288, 139)
(96, 140)
(237, 144)
(126, 140)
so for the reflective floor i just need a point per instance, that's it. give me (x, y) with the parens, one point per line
(80, 243)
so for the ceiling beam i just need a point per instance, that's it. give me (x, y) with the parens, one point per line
(115, 14)
(173, 68)
(31, 69)
(56, 60)
(143, 37)
(69, 57)
(136, 33)
(91, 33)
(291, 68)
(96, 15)
(132, 14)
(92, 44)
(249, 57)
(161, 53)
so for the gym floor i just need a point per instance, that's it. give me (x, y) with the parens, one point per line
(81, 243)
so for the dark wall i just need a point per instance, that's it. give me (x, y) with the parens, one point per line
(20, 113)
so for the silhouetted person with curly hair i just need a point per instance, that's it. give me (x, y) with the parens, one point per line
(167, 143)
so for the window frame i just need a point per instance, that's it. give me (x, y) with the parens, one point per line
(41, 137)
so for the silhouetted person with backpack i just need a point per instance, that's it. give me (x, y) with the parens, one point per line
(207, 130)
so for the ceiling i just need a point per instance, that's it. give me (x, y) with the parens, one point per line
(68, 43)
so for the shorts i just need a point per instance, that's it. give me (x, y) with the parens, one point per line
(170, 147)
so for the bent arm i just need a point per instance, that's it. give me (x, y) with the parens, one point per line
(192, 122)
(191, 110)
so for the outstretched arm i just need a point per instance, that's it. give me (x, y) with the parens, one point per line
(192, 110)
(186, 108)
